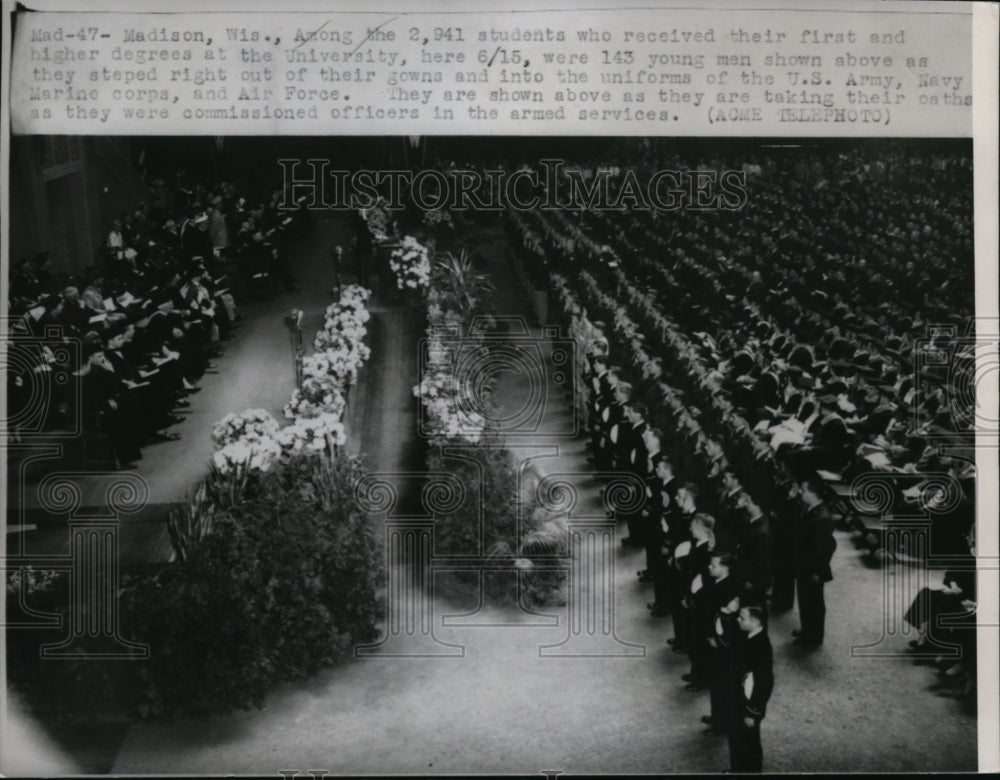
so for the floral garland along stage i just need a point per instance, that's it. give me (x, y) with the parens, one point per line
(253, 439)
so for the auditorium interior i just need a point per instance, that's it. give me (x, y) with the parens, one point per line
(787, 370)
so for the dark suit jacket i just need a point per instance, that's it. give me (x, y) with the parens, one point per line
(196, 243)
(76, 317)
(639, 464)
(600, 385)
(717, 596)
(124, 368)
(815, 543)
(604, 398)
(621, 449)
(677, 521)
(756, 665)
(753, 566)
(726, 530)
(696, 562)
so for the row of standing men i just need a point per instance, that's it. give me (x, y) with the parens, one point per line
(708, 554)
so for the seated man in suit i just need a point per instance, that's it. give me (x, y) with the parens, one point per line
(139, 396)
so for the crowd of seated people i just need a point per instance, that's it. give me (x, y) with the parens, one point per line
(116, 352)
(766, 366)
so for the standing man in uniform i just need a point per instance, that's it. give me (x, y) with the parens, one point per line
(815, 545)
(723, 601)
(601, 393)
(783, 545)
(634, 458)
(754, 682)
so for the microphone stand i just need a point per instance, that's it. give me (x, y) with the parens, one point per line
(293, 321)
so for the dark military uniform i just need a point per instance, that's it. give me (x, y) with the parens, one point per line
(814, 549)
(755, 682)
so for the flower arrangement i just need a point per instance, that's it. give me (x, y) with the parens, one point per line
(249, 425)
(344, 324)
(378, 220)
(340, 364)
(27, 580)
(438, 218)
(411, 263)
(340, 348)
(354, 298)
(252, 440)
(318, 395)
(455, 311)
(249, 454)
(444, 415)
(313, 434)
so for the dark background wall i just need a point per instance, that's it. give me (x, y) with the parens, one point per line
(65, 190)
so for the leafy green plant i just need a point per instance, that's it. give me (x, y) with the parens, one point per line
(272, 587)
(465, 290)
(191, 522)
(489, 480)
(285, 585)
(548, 543)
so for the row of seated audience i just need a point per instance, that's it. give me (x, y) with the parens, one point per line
(759, 372)
(807, 373)
(119, 349)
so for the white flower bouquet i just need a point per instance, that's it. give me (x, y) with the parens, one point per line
(348, 341)
(378, 220)
(249, 424)
(318, 395)
(313, 434)
(355, 294)
(252, 440)
(438, 393)
(250, 454)
(411, 263)
(438, 218)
